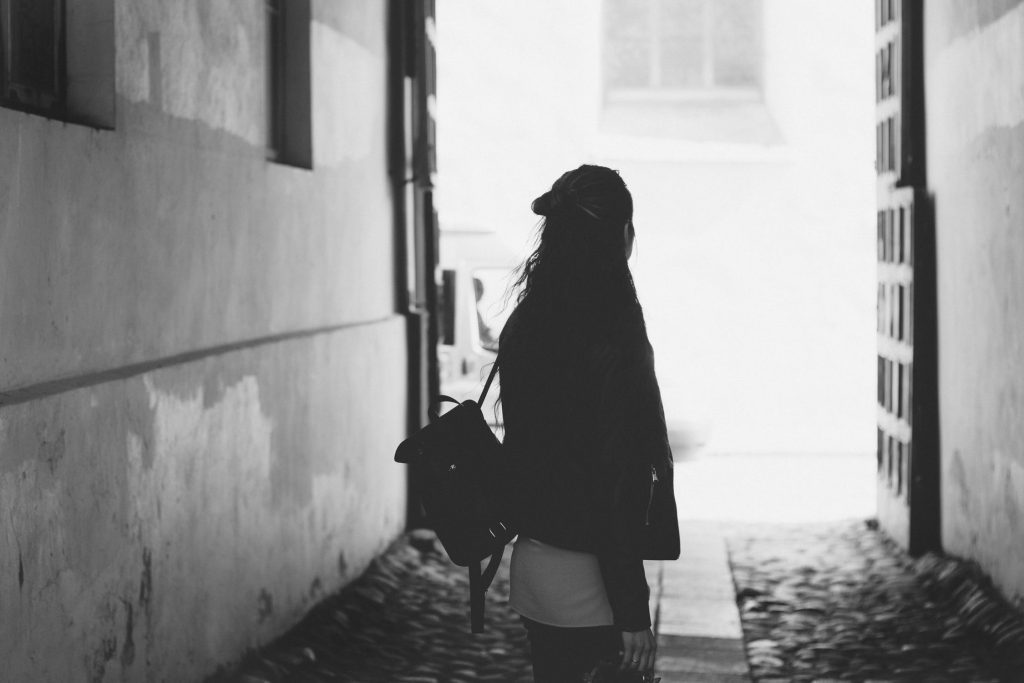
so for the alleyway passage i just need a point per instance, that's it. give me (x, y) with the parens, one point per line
(780, 601)
(825, 602)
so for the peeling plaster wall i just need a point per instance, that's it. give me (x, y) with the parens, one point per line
(974, 57)
(154, 527)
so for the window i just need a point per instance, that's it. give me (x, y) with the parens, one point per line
(446, 308)
(33, 54)
(686, 48)
(687, 70)
(491, 309)
(289, 92)
(57, 59)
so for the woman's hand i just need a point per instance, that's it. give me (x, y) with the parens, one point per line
(638, 650)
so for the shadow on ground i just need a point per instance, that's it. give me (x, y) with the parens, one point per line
(405, 619)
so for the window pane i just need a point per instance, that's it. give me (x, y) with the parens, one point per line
(491, 309)
(627, 50)
(33, 51)
(627, 18)
(682, 43)
(682, 18)
(627, 65)
(737, 48)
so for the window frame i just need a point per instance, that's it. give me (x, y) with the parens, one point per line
(56, 107)
(289, 82)
(708, 91)
(84, 64)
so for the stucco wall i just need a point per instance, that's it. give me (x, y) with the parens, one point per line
(172, 232)
(154, 526)
(974, 71)
(158, 526)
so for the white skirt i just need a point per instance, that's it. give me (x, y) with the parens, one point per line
(557, 587)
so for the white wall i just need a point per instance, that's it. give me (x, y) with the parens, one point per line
(975, 149)
(196, 346)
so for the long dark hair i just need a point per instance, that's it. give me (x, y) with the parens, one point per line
(577, 281)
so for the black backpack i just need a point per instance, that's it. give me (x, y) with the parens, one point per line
(461, 470)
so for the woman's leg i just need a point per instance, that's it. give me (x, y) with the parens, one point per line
(564, 655)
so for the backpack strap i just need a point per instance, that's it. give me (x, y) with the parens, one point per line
(435, 411)
(487, 385)
(478, 585)
(479, 581)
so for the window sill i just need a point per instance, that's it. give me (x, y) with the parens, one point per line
(723, 95)
(735, 121)
(278, 159)
(647, 148)
(58, 115)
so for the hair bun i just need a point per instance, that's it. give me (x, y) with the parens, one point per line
(543, 205)
(554, 201)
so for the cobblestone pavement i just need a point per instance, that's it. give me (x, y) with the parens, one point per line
(406, 619)
(818, 602)
(840, 601)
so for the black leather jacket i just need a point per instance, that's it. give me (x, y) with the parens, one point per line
(584, 437)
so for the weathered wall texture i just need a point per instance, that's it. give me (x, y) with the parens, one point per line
(177, 211)
(158, 525)
(974, 62)
(155, 526)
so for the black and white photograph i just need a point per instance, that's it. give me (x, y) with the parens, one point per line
(511, 341)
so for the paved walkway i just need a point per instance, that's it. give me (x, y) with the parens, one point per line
(820, 601)
(406, 620)
(839, 601)
(699, 634)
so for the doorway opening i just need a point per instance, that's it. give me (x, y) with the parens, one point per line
(745, 132)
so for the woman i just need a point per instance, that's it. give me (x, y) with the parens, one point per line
(585, 436)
